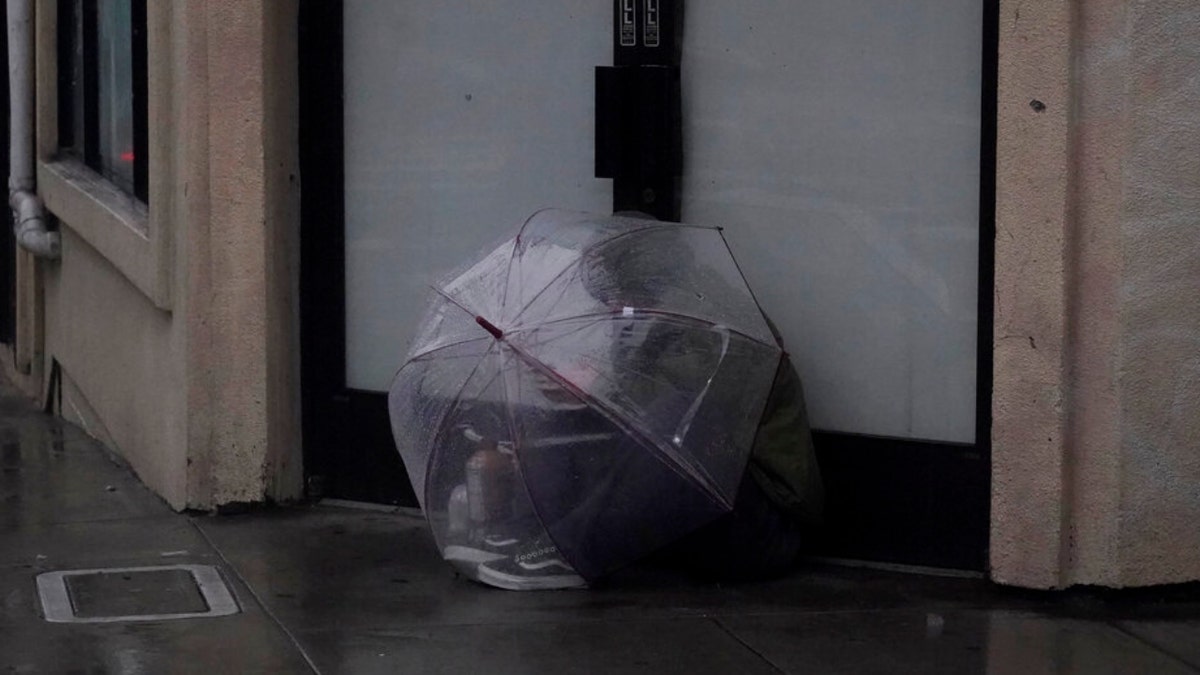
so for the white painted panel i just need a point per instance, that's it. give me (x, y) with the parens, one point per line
(837, 141)
(462, 119)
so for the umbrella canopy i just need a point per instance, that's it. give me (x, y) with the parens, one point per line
(593, 384)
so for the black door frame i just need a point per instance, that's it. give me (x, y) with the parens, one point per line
(8, 242)
(338, 423)
(890, 500)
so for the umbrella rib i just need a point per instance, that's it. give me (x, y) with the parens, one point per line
(746, 283)
(679, 465)
(434, 441)
(518, 447)
(651, 312)
(452, 300)
(536, 296)
(511, 259)
(422, 355)
(651, 225)
(584, 325)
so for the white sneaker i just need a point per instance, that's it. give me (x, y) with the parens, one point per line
(539, 567)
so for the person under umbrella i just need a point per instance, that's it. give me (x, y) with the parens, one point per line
(650, 372)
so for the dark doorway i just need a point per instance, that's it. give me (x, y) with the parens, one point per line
(894, 500)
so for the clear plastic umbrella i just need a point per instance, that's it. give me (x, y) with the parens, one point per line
(586, 393)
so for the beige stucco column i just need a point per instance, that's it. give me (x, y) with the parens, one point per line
(243, 354)
(174, 324)
(1096, 429)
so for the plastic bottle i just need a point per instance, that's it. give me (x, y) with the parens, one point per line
(459, 511)
(489, 484)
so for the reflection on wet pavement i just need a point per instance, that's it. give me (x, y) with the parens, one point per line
(332, 589)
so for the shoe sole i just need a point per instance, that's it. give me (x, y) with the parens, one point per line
(516, 583)
(513, 582)
(468, 554)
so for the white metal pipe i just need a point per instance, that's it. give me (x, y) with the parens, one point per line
(29, 214)
(20, 87)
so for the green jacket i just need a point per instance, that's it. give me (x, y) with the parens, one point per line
(782, 460)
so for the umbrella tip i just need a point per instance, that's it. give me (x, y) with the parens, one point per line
(490, 327)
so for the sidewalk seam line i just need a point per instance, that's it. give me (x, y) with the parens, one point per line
(254, 594)
(737, 638)
(1116, 623)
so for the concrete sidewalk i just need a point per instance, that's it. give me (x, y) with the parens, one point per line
(329, 589)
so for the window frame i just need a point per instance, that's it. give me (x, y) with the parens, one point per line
(130, 233)
(87, 148)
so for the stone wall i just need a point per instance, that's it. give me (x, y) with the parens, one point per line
(1096, 436)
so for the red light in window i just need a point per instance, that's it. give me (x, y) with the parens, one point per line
(127, 156)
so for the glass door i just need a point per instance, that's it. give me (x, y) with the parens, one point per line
(838, 142)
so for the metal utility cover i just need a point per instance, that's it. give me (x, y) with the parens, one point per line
(134, 594)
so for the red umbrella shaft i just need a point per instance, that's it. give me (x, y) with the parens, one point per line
(490, 327)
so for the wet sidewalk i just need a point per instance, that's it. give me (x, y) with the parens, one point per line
(339, 590)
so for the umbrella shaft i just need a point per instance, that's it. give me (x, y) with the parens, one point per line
(490, 327)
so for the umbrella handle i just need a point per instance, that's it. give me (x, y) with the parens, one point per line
(686, 422)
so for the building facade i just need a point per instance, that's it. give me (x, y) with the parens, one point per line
(183, 326)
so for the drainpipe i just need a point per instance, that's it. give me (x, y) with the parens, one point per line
(29, 214)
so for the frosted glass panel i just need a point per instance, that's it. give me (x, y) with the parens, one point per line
(462, 119)
(838, 141)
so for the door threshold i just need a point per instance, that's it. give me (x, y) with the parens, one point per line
(369, 506)
(901, 568)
